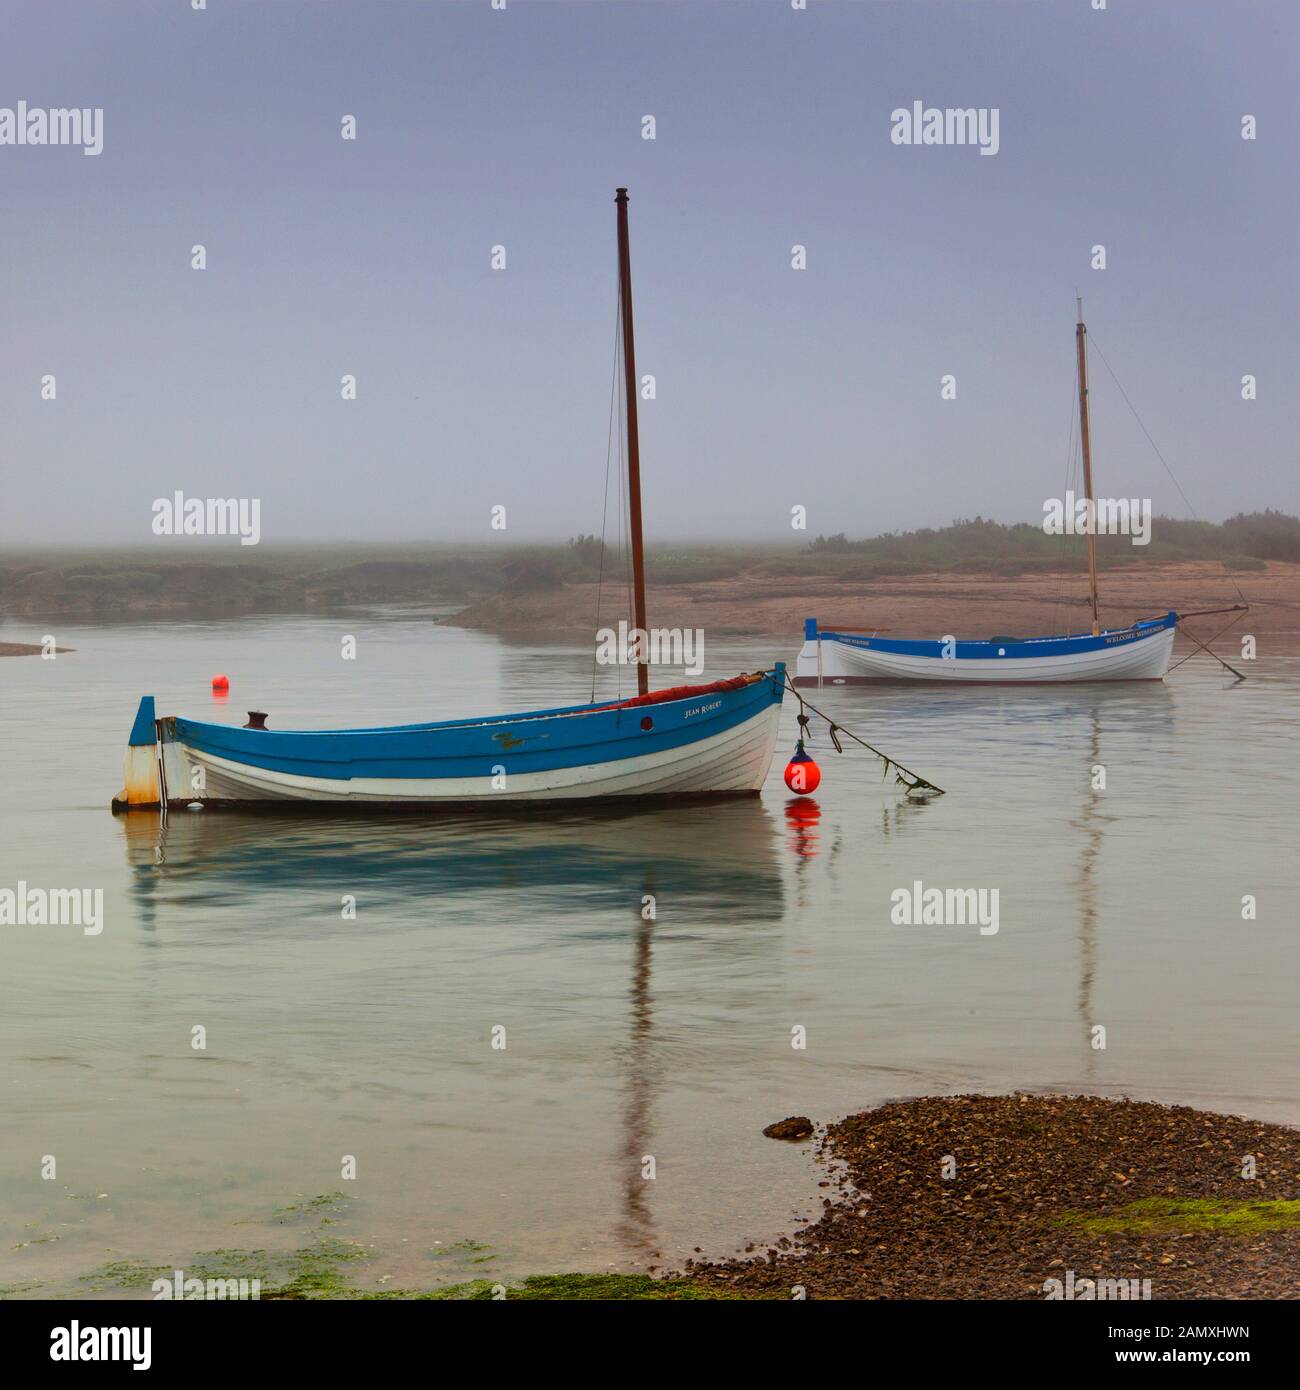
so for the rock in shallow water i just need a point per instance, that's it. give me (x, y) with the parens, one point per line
(796, 1127)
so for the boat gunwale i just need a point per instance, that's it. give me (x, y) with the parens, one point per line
(775, 674)
(1147, 627)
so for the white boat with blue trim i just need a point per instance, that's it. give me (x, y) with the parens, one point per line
(714, 739)
(1138, 652)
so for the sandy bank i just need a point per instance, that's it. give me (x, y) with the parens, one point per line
(27, 649)
(929, 605)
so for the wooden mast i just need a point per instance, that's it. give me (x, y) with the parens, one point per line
(1080, 337)
(633, 448)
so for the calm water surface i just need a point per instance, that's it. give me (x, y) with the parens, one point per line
(328, 1037)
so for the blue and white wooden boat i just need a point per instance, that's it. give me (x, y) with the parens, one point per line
(1138, 652)
(718, 739)
(703, 740)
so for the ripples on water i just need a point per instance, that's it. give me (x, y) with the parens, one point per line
(625, 1037)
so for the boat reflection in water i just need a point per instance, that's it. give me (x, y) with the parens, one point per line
(712, 861)
(636, 872)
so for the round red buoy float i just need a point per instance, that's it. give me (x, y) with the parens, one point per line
(221, 682)
(802, 775)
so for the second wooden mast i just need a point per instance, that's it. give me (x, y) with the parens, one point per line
(633, 449)
(1080, 337)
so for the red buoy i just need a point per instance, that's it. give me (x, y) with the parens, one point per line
(220, 683)
(802, 775)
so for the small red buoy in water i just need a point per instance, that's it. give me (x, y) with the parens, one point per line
(220, 683)
(802, 775)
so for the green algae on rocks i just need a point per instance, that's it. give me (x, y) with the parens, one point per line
(570, 1288)
(1156, 1215)
(973, 1196)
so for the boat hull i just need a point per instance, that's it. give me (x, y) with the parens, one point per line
(1140, 652)
(710, 742)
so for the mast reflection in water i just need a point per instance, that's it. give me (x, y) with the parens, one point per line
(663, 872)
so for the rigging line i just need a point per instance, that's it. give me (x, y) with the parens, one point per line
(1156, 448)
(1071, 438)
(629, 574)
(624, 502)
(604, 512)
(1144, 429)
(917, 779)
(1071, 468)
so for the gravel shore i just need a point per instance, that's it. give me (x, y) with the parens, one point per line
(1041, 1188)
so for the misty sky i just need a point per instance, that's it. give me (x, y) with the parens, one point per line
(775, 387)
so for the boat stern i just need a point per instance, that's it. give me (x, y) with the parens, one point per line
(821, 661)
(141, 776)
(808, 666)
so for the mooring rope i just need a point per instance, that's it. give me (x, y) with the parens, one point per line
(917, 782)
(1204, 646)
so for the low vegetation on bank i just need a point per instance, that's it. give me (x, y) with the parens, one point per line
(1243, 542)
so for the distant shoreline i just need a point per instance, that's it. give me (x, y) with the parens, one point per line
(548, 593)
